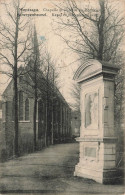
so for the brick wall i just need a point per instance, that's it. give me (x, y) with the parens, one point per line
(25, 130)
(26, 133)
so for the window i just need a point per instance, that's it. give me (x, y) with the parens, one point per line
(20, 105)
(27, 110)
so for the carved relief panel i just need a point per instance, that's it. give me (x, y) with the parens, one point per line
(91, 110)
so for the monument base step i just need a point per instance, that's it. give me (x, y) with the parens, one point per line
(102, 176)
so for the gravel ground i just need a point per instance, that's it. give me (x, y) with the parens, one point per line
(50, 171)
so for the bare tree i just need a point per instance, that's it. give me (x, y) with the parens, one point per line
(41, 69)
(75, 93)
(92, 32)
(14, 49)
(31, 80)
(52, 83)
(35, 70)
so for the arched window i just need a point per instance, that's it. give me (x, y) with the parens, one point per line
(20, 105)
(27, 110)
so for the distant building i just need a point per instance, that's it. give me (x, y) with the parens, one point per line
(75, 123)
(56, 117)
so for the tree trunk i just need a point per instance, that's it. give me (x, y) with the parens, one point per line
(46, 123)
(34, 121)
(16, 116)
(35, 101)
(101, 30)
(52, 110)
(16, 89)
(52, 123)
(47, 108)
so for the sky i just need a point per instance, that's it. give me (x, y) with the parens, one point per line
(64, 58)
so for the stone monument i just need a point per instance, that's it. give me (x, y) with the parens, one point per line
(97, 139)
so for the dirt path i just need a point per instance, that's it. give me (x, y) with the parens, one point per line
(50, 170)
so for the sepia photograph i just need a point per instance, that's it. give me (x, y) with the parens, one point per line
(62, 97)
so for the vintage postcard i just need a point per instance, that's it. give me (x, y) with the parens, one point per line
(62, 96)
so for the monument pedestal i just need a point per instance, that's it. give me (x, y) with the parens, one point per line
(97, 160)
(105, 176)
(97, 134)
